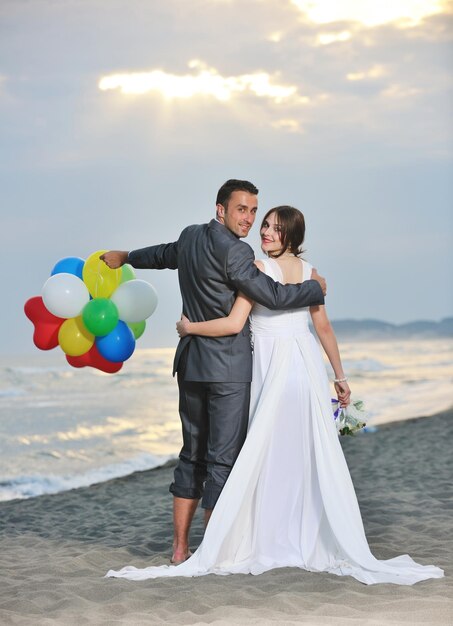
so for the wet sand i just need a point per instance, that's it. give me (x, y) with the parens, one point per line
(55, 550)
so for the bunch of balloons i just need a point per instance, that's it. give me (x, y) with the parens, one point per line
(92, 312)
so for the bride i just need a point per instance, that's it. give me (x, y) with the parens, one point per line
(289, 500)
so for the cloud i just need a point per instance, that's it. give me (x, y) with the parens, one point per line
(275, 37)
(369, 12)
(324, 39)
(398, 92)
(288, 125)
(205, 81)
(377, 71)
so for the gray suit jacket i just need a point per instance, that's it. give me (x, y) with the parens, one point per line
(213, 265)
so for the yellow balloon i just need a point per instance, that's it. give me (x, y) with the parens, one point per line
(73, 337)
(99, 278)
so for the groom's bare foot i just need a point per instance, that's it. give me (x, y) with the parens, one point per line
(179, 556)
(183, 512)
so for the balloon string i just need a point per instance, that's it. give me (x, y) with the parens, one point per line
(99, 278)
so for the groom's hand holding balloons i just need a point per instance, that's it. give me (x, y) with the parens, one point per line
(321, 280)
(114, 258)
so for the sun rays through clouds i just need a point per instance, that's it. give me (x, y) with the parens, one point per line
(201, 81)
(125, 115)
(369, 12)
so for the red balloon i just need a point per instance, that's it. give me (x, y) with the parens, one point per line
(92, 358)
(46, 324)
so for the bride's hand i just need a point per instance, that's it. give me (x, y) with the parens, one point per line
(343, 393)
(183, 326)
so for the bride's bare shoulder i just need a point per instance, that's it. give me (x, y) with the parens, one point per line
(259, 265)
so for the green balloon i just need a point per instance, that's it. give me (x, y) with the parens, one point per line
(127, 273)
(100, 316)
(138, 328)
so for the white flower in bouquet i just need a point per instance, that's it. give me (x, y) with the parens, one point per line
(350, 419)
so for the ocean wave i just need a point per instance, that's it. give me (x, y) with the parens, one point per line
(22, 487)
(32, 370)
(12, 392)
(358, 366)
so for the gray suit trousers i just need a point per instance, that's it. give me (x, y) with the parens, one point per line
(214, 420)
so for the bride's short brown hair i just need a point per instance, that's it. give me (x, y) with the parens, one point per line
(292, 228)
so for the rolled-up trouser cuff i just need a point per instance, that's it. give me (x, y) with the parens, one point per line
(211, 495)
(185, 492)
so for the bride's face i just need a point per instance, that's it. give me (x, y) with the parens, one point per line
(270, 235)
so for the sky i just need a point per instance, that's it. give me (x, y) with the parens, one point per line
(120, 119)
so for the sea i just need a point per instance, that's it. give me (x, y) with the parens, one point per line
(63, 428)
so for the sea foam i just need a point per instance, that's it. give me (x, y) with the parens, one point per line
(62, 428)
(38, 485)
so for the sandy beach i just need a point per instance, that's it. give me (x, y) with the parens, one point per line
(55, 549)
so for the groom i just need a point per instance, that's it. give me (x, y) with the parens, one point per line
(214, 373)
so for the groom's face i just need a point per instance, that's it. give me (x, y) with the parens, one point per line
(240, 212)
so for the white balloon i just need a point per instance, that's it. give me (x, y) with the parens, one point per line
(65, 295)
(136, 300)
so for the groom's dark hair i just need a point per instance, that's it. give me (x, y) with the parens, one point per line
(225, 191)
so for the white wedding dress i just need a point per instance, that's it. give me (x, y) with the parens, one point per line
(289, 500)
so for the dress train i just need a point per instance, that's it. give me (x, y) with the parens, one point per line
(289, 500)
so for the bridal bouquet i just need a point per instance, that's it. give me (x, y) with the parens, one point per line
(350, 419)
